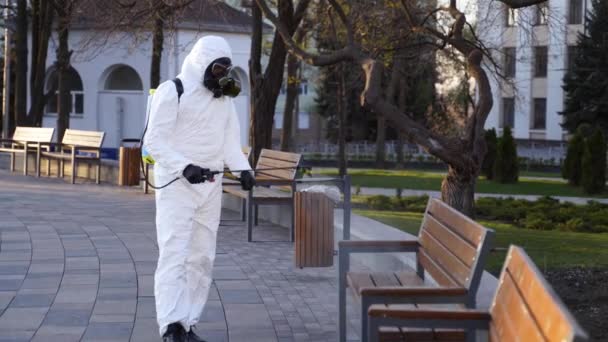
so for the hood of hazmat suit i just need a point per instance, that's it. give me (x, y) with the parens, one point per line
(200, 130)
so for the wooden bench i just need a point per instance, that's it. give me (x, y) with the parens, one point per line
(524, 308)
(73, 144)
(274, 187)
(26, 140)
(451, 249)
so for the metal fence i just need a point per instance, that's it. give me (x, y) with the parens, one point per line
(543, 152)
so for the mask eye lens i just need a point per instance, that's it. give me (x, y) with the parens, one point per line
(220, 70)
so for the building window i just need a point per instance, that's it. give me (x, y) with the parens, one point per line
(278, 120)
(540, 61)
(572, 52)
(304, 120)
(508, 112)
(575, 14)
(123, 78)
(76, 98)
(510, 16)
(542, 13)
(539, 118)
(510, 59)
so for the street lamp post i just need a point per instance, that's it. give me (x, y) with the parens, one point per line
(7, 61)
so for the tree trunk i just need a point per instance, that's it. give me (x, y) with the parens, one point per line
(380, 141)
(290, 102)
(342, 110)
(21, 64)
(36, 10)
(399, 151)
(157, 48)
(63, 67)
(43, 19)
(266, 86)
(402, 103)
(458, 190)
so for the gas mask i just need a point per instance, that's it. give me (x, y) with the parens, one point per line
(219, 79)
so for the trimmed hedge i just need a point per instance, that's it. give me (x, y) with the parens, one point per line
(544, 214)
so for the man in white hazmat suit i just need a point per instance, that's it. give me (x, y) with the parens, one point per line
(187, 136)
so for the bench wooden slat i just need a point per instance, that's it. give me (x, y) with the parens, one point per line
(462, 249)
(384, 279)
(444, 258)
(438, 274)
(409, 279)
(280, 155)
(83, 138)
(359, 280)
(457, 222)
(258, 192)
(33, 134)
(511, 315)
(549, 313)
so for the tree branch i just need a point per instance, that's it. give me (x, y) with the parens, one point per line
(521, 3)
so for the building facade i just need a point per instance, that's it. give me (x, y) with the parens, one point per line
(110, 83)
(534, 47)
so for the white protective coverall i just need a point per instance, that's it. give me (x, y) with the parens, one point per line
(199, 130)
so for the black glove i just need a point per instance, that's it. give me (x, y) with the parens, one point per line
(195, 174)
(247, 180)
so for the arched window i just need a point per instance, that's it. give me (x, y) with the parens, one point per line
(123, 78)
(76, 99)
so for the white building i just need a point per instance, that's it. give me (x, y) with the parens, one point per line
(535, 46)
(110, 82)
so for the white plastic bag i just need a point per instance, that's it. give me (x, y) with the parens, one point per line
(332, 192)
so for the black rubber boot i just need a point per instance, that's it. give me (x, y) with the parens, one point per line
(192, 337)
(175, 333)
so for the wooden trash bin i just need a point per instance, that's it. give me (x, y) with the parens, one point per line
(129, 161)
(314, 221)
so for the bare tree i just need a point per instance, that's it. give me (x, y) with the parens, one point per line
(266, 84)
(42, 20)
(65, 12)
(462, 150)
(20, 115)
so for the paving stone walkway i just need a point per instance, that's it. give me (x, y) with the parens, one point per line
(77, 264)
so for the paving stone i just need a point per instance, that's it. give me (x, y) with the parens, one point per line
(32, 300)
(240, 297)
(68, 317)
(58, 333)
(252, 335)
(112, 318)
(228, 273)
(117, 293)
(76, 294)
(115, 307)
(145, 330)
(108, 331)
(146, 307)
(80, 279)
(243, 316)
(10, 284)
(23, 318)
(145, 286)
(13, 335)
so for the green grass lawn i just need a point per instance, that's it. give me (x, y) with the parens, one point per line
(424, 180)
(548, 249)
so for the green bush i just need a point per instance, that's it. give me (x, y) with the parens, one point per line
(571, 169)
(593, 164)
(506, 168)
(487, 167)
(546, 213)
(379, 202)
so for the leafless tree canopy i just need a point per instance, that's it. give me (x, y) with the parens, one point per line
(444, 28)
